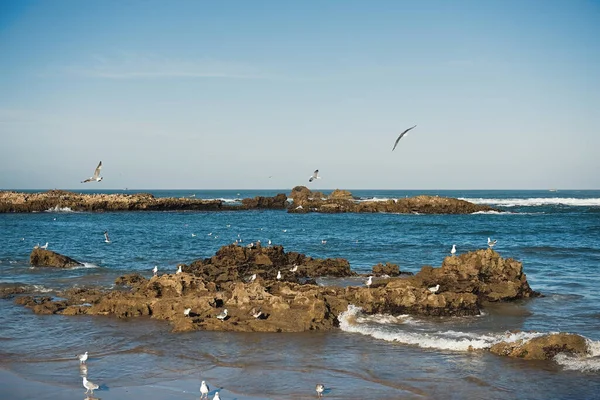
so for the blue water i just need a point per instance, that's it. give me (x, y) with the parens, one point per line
(555, 234)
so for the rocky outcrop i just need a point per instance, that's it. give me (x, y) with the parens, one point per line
(45, 258)
(342, 201)
(238, 263)
(543, 347)
(387, 269)
(482, 273)
(293, 302)
(278, 202)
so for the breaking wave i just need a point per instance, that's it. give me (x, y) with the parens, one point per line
(537, 201)
(389, 328)
(59, 209)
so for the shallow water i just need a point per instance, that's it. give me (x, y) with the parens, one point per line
(381, 357)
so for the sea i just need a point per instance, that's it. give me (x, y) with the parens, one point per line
(554, 233)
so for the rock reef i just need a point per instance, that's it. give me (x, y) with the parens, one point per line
(244, 280)
(45, 258)
(303, 201)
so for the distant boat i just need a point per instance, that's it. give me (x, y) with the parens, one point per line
(553, 190)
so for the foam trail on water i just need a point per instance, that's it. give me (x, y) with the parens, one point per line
(537, 201)
(59, 209)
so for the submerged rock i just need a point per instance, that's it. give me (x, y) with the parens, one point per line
(45, 258)
(543, 347)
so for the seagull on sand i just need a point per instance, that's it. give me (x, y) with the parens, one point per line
(369, 281)
(223, 315)
(96, 177)
(82, 357)
(453, 251)
(314, 176)
(89, 385)
(45, 247)
(179, 271)
(186, 312)
(434, 289)
(492, 243)
(400, 137)
(155, 270)
(294, 269)
(320, 388)
(204, 389)
(106, 238)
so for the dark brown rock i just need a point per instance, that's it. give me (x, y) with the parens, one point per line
(45, 258)
(388, 269)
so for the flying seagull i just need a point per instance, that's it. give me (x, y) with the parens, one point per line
(492, 243)
(106, 238)
(400, 137)
(314, 176)
(96, 177)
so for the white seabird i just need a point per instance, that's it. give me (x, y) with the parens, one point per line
(269, 242)
(320, 388)
(82, 357)
(369, 281)
(257, 314)
(453, 251)
(204, 389)
(400, 137)
(186, 312)
(90, 386)
(216, 396)
(155, 270)
(45, 247)
(223, 315)
(179, 271)
(492, 243)
(435, 288)
(323, 241)
(96, 177)
(294, 269)
(278, 275)
(252, 278)
(314, 176)
(106, 238)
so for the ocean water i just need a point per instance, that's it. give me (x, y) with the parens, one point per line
(556, 234)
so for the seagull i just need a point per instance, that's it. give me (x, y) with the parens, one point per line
(294, 269)
(314, 176)
(453, 251)
(193, 235)
(155, 270)
(257, 314)
(179, 271)
(96, 177)
(435, 288)
(89, 385)
(369, 281)
(323, 241)
(186, 312)
(45, 247)
(252, 278)
(269, 242)
(320, 388)
(82, 357)
(106, 238)
(492, 243)
(400, 137)
(216, 396)
(223, 315)
(278, 275)
(204, 390)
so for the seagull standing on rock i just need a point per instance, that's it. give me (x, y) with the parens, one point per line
(278, 275)
(186, 312)
(434, 289)
(45, 247)
(155, 270)
(453, 251)
(369, 281)
(294, 269)
(223, 315)
(179, 271)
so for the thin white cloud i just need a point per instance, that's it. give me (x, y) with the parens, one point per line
(131, 66)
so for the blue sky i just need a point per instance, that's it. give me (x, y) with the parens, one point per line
(202, 95)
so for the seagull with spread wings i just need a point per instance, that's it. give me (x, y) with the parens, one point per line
(400, 137)
(96, 177)
(314, 176)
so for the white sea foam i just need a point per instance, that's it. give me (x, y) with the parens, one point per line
(537, 201)
(59, 209)
(493, 213)
(353, 320)
(86, 265)
(588, 363)
(42, 289)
